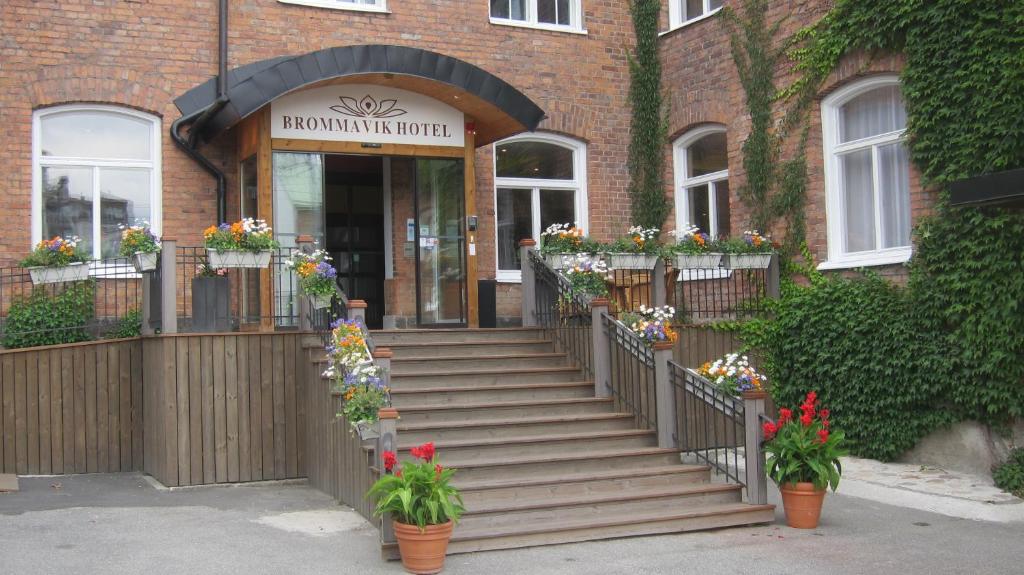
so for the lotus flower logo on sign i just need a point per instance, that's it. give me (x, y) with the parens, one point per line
(366, 113)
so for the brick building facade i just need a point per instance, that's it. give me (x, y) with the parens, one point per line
(142, 55)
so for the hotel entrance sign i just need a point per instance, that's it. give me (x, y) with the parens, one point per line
(366, 113)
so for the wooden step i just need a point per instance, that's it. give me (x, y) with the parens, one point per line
(402, 396)
(487, 428)
(470, 348)
(508, 513)
(388, 337)
(504, 361)
(564, 484)
(503, 410)
(443, 378)
(478, 468)
(526, 446)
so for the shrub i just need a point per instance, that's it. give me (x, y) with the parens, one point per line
(1010, 475)
(856, 341)
(128, 325)
(44, 319)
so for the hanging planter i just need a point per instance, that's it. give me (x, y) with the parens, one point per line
(628, 261)
(747, 261)
(318, 301)
(144, 262)
(367, 431)
(223, 259)
(59, 274)
(704, 261)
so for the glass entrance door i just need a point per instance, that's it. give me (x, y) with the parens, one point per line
(440, 237)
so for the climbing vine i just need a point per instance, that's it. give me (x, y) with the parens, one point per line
(648, 128)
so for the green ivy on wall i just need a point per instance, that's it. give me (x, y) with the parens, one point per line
(648, 128)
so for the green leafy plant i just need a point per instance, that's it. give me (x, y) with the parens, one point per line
(246, 235)
(56, 252)
(316, 273)
(750, 243)
(138, 239)
(805, 449)
(45, 319)
(565, 239)
(692, 242)
(639, 241)
(420, 493)
(128, 325)
(1009, 476)
(648, 128)
(363, 394)
(587, 276)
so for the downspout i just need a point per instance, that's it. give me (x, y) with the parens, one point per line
(201, 117)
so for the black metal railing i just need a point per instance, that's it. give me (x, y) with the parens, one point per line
(705, 295)
(321, 319)
(632, 375)
(245, 293)
(107, 304)
(565, 316)
(709, 425)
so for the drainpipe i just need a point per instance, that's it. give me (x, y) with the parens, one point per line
(201, 117)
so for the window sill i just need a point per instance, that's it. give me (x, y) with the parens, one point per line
(509, 277)
(681, 25)
(545, 27)
(889, 257)
(339, 6)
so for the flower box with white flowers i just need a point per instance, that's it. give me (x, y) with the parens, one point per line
(561, 243)
(752, 251)
(57, 260)
(637, 251)
(695, 250)
(141, 245)
(247, 243)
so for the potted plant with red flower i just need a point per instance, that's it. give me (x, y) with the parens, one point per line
(803, 459)
(423, 504)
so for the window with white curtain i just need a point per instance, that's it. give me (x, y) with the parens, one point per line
(362, 5)
(94, 168)
(681, 12)
(549, 14)
(701, 166)
(867, 174)
(539, 180)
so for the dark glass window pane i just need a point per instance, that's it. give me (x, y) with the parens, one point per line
(714, 4)
(547, 12)
(67, 204)
(722, 206)
(557, 207)
(515, 222)
(694, 8)
(707, 155)
(700, 213)
(499, 8)
(124, 200)
(534, 160)
(564, 12)
(508, 9)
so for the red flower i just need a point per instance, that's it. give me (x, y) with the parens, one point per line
(770, 429)
(812, 397)
(824, 413)
(424, 452)
(785, 415)
(438, 469)
(389, 460)
(806, 419)
(398, 473)
(823, 435)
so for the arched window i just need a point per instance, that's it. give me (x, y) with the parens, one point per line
(702, 180)
(94, 168)
(539, 180)
(867, 174)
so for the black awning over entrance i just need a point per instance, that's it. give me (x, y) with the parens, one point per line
(499, 109)
(1005, 189)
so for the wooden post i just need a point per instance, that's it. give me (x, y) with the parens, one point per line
(168, 293)
(529, 283)
(382, 357)
(757, 482)
(305, 243)
(658, 287)
(771, 281)
(265, 210)
(147, 303)
(469, 172)
(602, 355)
(388, 441)
(664, 399)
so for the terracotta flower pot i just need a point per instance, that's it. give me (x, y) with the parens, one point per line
(423, 551)
(803, 504)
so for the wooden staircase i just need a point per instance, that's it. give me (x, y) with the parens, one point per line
(540, 459)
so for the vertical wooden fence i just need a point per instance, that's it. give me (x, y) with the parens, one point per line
(72, 408)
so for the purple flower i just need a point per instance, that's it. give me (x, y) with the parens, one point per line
(224, 227)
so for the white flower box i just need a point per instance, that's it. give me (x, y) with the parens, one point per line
(705, 261)
(367, 431)
(318, 301)
(51, 275)
(238, 259)
(144, 262)
(558, 261)
(747, 261)
(627, 261)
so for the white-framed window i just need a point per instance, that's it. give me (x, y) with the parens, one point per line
(358, 5)
(562, 15)
(95, 167)
(701, 166)
(539, 180)
(682, 12)
(867, 174)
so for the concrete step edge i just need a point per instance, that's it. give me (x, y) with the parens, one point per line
(583, 435)
(510, 342)
(585, 417)
(504, 404)
(561, 458)
(513, 371)
(496, 387)
(599, 498)
(580, 477)
(538, 355)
